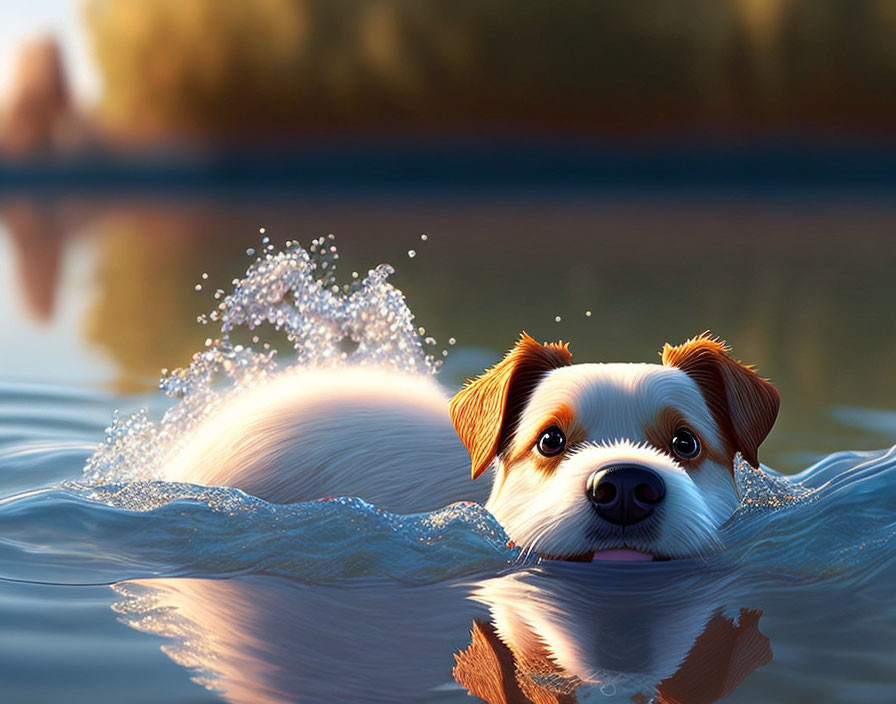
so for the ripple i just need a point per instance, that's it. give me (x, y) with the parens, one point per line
(139, 529)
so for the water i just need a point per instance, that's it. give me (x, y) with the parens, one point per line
(111, 577)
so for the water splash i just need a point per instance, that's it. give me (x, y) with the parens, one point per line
(832, 521)
(761, 489)
(295, 291)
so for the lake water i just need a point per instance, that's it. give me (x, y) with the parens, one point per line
(126, 588)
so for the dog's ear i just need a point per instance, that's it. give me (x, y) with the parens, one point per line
(744, 405)
(486, 410)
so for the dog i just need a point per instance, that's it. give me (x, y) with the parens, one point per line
(603, 462)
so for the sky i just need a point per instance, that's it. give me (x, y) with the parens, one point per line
(26, 19)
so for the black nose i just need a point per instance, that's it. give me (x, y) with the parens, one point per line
(625, 493)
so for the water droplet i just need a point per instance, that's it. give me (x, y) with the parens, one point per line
(451, 340)
(291, 290)
(261, 230)
(424, 237)
(412, 253)
(587, 313)
(250, 251)
(204, 276)
(197, 287)
(557, 319)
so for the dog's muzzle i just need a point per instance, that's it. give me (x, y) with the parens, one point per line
(625, 494)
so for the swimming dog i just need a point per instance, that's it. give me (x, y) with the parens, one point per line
(595, 461)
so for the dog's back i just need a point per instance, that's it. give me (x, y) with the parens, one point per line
(381, 435)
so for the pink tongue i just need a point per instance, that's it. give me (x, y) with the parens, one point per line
(621, 555)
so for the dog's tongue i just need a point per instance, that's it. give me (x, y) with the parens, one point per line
(621, 555)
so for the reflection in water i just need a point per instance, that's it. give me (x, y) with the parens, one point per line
(265, 639)
(808, 300)
(144, 314)
(259, 639)
(669, 633)
(37, 238)
(802, 568)
(336, 601)
(550, 637)
(551, 640)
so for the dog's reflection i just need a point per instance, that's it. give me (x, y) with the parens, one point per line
(264, 639)
(547, 636)
(552, 638)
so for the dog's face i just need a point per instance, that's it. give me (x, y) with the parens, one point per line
(614, 461)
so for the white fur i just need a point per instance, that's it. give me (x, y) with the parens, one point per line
(368, 432)
(550, 513)
(387, 437)
(552, 516)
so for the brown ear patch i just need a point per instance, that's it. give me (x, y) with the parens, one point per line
(743, 404)
(486, 410)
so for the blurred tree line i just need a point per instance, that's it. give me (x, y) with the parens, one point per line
(265, 68)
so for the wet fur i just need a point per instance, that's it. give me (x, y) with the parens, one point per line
(373, 433)
(394, 440)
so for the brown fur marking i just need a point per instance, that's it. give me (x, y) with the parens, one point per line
(659, 434)
(744, 405)
(564, 418)
(485, 412)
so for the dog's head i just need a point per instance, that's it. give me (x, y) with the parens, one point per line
(614, 461)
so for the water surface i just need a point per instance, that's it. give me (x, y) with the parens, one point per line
(118, 586)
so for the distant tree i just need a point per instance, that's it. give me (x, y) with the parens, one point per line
(261, 69)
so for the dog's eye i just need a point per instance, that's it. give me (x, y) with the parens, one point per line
(552, 442)
(685, 444)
